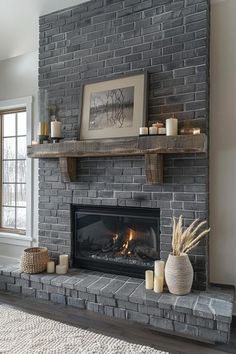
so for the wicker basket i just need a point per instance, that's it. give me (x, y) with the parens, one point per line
(34, 260)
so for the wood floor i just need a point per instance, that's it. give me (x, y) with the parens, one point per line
(121, 329)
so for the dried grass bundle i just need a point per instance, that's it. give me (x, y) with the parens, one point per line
(185, 240)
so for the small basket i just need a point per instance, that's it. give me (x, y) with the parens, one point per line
(34, 260)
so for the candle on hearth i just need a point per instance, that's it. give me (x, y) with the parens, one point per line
(143, 131)
(55, 129)
(153, 130)
(159, 268)
(61, 269)
(149, 279)
(162, 131)
(172, 126)
(50, 267)
(64, 260)
(158, 284)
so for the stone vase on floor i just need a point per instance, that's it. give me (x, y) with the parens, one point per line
(179, 274)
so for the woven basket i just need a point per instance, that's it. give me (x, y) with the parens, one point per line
(34, 260)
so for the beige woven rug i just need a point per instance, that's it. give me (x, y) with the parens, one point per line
(23, 333)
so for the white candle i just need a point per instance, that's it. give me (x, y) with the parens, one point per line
(172, 126)
(143, 131)
(153, 130)
(61, 269)
(149, 279)
(159, 268)
(162, 131)
(196, 131)
(51, 267)
(55, 129)
(158, 284)
(64, 260)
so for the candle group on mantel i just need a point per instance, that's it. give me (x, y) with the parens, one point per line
(155, 280)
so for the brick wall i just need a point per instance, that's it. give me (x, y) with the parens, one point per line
(103, 38)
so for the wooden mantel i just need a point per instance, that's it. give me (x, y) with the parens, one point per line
(152, 147)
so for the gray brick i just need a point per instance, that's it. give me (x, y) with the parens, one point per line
(137, 317)
(86, 296)
(109, 311)
(22, 282)
(185, 329)
(35, 285)
(28, 292)
(59, 299)
(14, 288)
(83, 284)
(125, 291)
(76, 302)
(43, 295)
(162, 323)
(151, 310)
(106, 301)
(54, 289)
(92, 306)
(127, 305)
(7, 279)
(111, 288)
(120, 313)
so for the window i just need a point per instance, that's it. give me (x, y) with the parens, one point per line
(13, 170)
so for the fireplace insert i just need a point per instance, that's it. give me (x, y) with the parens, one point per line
(117, 240)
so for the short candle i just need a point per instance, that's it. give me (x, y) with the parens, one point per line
(61, 269)
(153, 130)
(51, 267)
(149, 279)
(143, 131)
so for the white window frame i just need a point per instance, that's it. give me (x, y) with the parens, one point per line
(15, 238)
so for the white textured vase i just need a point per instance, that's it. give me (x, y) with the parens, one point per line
(179, 274)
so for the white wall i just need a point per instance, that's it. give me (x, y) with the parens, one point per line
(19, 78)
(223, 143)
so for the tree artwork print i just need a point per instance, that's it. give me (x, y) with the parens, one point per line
(111, 109)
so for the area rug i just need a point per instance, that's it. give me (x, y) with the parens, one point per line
(23, 333)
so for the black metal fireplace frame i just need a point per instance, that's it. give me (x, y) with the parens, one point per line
(106, 266)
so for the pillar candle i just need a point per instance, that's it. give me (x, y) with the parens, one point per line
(153, 130)
(64, 260)
(51, 267)
(158, 284)
(61, 269)
(172, 126)
(55, 129)
(149, 279)
(143, 131)
(162, 131)
(159, 268)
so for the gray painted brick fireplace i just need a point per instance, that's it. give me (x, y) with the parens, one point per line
(103, 38)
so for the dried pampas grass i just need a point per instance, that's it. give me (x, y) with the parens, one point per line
(185, 240)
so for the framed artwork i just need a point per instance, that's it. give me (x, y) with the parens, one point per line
(113, 108)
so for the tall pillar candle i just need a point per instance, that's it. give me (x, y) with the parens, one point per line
(172, 127)
(149, 279)
(64, 260)
(159, 268)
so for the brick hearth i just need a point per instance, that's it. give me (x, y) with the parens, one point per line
(205, 316)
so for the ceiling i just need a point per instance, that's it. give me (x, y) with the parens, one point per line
(19, 23)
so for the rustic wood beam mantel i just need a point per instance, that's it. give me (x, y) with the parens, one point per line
(152, 147)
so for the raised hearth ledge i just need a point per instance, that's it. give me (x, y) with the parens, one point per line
(205, 316)
(152, 147)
